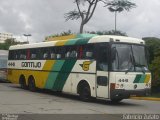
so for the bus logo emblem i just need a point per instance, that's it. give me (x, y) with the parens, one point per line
(85, 65)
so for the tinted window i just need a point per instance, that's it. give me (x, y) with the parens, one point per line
(102, 56)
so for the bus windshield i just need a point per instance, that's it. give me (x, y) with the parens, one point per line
(126, 57)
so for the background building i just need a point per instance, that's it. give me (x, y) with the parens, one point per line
(4, 36)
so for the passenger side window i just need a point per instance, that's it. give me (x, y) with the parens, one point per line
(52, 53)
(86, 52)
(17, 55)
(34, 54)
(71, 52)
(11, 55)
(60, 53)
(45, 54)
(23, 55)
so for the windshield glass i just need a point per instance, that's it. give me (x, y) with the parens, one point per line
(127, 57)
(140, 58)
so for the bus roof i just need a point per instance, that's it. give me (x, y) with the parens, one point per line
(80, 40)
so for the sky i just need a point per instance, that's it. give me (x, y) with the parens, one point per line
(42, 18)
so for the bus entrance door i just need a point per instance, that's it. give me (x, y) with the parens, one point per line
(102, 86)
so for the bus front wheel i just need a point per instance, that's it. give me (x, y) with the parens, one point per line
(85, 93)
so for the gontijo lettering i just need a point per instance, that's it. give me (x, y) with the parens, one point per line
(31, 64)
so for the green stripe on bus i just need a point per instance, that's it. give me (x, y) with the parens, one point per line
(58, 65)
(71, 42)
(82, 41)
(67, 68)
(138, 77)
(64, 68)
(51, 80)
(142, 78)
(78, 41)
(63, 75)
(85, 35)
(53, 75)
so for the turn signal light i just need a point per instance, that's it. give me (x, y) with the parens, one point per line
(112, 86)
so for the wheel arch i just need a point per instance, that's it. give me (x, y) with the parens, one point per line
(80, 84)
(31, 77)
(22, 78)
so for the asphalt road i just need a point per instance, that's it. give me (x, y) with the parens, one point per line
(15, 100)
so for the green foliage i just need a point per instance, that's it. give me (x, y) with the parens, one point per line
(119, 5)
(153, 45)
(111, 32)
(85, 10)
(72, 15)
(64, 33)
(8, 43)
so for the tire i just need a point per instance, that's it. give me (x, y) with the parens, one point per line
(22, 83)
(85, 93)
(116, 100)
(31, 85)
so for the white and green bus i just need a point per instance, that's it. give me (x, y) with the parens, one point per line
(104, 67)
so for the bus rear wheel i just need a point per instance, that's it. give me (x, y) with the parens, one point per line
(85, 93)
(22, 82)
(31, 85)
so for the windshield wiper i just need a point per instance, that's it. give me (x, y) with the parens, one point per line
(131, 65)
(129, 69)
(114, 54)
(141, 66)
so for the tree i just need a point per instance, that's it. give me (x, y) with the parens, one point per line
(119, 6)
(9, 42)
(153, 45)
(84, 14)
(111, 32)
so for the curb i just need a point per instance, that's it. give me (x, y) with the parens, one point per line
(145, 98)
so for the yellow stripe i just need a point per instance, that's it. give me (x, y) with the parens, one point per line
(48, 64)
(61, 43)
(65, 37)
(147, 79)
(61, 37)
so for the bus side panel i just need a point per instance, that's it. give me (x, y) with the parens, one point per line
(82, 70)
(89, 78)
(13, 76)
(40, 77)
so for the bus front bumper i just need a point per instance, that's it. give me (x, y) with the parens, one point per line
(124, 94)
